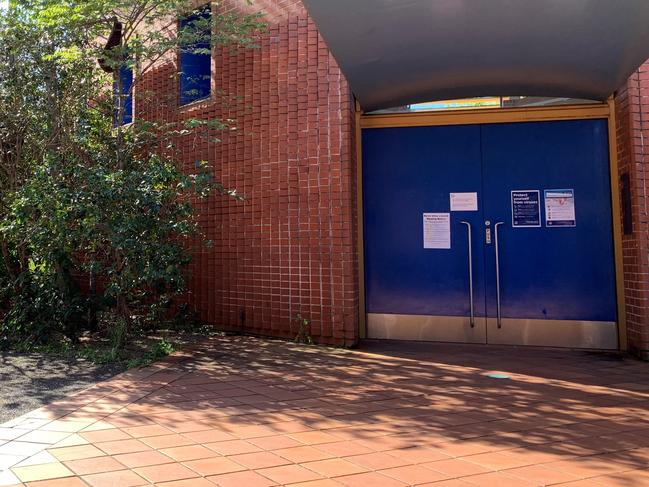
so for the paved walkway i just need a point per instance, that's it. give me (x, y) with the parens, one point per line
(246, 412)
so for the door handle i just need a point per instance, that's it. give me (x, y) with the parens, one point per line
(468, 229)
(498, 310)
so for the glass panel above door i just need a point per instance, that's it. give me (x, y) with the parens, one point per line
(485, 102)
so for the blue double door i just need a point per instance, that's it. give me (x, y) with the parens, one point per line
(531, 263)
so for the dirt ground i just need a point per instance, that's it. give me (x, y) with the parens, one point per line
(31, 380)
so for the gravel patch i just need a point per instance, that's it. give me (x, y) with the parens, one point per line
(31, 380)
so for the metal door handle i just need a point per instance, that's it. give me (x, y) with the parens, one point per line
(498, 312)
(468, 228)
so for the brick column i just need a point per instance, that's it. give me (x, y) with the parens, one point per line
(632, 114)
(289, 249)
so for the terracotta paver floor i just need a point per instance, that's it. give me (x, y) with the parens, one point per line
(246, 412)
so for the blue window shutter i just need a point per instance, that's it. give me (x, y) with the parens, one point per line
(195, 68)
(126, 78)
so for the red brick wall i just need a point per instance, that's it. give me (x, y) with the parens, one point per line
(290, 247)
(632, 114)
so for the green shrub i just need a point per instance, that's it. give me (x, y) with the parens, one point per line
(94, 219)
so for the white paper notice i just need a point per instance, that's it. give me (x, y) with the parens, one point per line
(560, 208)
(437, 230)
(464, 201)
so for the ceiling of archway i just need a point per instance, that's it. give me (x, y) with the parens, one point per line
(396, 52)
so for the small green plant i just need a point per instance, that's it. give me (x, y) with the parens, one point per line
(161, 349)
(99, 356)
(55, 348)
(303, 330)
(117, 335)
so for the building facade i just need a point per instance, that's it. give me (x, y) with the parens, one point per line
(289, 248)
(309, 163)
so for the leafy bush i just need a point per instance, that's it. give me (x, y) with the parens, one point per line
(95, 220)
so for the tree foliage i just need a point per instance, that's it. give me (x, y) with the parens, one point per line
(95, 217)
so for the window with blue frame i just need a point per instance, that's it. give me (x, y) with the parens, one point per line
(196, 57)
(124, 97)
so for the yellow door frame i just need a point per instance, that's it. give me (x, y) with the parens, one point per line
(487, 116)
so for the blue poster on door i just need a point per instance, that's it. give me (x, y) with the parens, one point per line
(526, 208)
(560, 208)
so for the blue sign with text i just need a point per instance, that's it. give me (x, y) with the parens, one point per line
(526, 208)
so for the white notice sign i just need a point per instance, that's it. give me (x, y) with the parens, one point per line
(464, 201)
(560, 208)
(437, 230)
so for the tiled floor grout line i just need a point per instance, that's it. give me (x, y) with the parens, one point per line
(448, 406)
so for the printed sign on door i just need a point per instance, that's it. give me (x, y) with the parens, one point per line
(560, 208)
(526, 208)
(437, 230)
